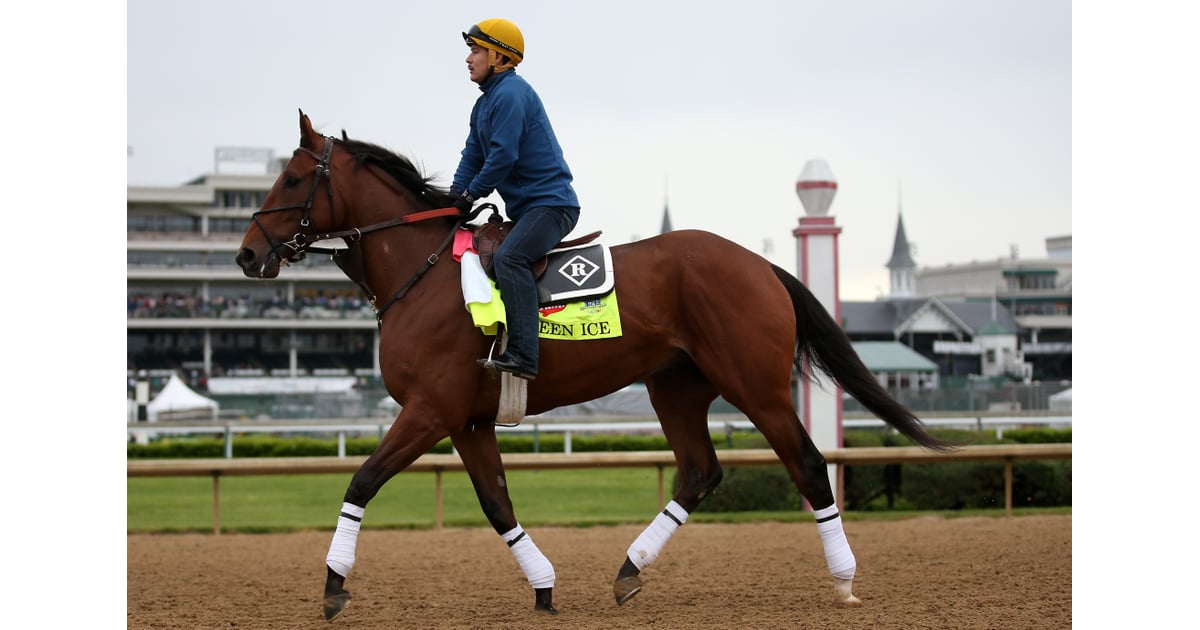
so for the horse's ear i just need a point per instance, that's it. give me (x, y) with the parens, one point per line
(345, 138)
(307, 135)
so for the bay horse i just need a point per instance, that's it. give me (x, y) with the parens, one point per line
(700, 316)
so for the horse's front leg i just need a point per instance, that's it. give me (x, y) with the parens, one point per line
(481, 457)
(411, 435)
(680, 398)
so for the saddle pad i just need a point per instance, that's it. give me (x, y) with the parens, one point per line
(595, 316)
(574, 273)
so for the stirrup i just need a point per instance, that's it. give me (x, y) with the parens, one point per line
(499, 341)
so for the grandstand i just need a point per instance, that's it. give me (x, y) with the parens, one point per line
(191, 311)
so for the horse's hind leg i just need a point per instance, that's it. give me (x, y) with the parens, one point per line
(481, 456)
(752, 367)
(777, 421)
(681, 397)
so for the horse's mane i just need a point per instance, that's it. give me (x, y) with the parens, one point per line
(400, 168)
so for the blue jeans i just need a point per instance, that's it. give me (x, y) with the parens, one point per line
(535, 233)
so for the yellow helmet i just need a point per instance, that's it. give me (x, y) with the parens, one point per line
(500, 36)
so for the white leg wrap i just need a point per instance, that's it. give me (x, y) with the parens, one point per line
(537, 568)
(345, 538)
(837, 548)
(646, 548)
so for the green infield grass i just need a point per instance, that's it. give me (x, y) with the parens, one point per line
(279, 503)
(298, 502)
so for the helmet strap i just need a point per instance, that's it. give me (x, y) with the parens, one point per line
(498, 62)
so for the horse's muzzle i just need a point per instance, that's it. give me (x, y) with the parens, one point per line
(255, 267)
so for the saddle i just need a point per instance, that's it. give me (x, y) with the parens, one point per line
(488, 237)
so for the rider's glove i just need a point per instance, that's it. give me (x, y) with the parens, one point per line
(464, 202)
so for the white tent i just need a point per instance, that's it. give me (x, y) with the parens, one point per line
(176, 398)
(1061, 401)
(387, 407)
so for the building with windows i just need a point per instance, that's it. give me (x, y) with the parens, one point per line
(192, 311)
(1003, 318)
(1037, 291)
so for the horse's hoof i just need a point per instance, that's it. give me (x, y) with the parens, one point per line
(843, 595)
(335, 604)
(543, 601)
(625, 588)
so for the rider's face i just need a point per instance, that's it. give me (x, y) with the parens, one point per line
(477, 63)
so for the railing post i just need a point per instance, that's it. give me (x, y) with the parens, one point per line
(437, 497)
(217, 502)
(1008, 482)
(567, 442)
(839, 469)
(228, 442)
(662, 500)
(342, 444)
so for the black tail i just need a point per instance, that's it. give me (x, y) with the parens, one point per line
(823, 342)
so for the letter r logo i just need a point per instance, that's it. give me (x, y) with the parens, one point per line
(578, 270)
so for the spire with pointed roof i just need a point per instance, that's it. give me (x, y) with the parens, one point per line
(666, 223)
(901, 254)
(902, 266)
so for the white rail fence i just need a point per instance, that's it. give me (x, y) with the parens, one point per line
(439, 464)
(142, 432)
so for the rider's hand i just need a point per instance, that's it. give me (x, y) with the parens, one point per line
(464, 202)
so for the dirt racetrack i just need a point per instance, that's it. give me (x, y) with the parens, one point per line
(925, 572)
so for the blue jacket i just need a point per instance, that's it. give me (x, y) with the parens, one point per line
(512, 149)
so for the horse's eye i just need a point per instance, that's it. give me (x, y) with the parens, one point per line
(290, 181)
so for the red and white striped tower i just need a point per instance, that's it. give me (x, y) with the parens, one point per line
(820, 405)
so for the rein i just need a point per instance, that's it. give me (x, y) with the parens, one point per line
(354, 234)
(302, 241)
(354, 269)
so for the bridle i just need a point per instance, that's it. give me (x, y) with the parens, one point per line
(302, 241)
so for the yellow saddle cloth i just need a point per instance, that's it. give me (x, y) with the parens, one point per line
(593, 318)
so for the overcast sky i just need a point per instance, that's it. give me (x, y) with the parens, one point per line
(957, 110)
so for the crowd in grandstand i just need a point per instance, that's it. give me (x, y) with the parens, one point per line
(181, 305)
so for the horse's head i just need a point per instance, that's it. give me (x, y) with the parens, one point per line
(299, 205)
(377, 190)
